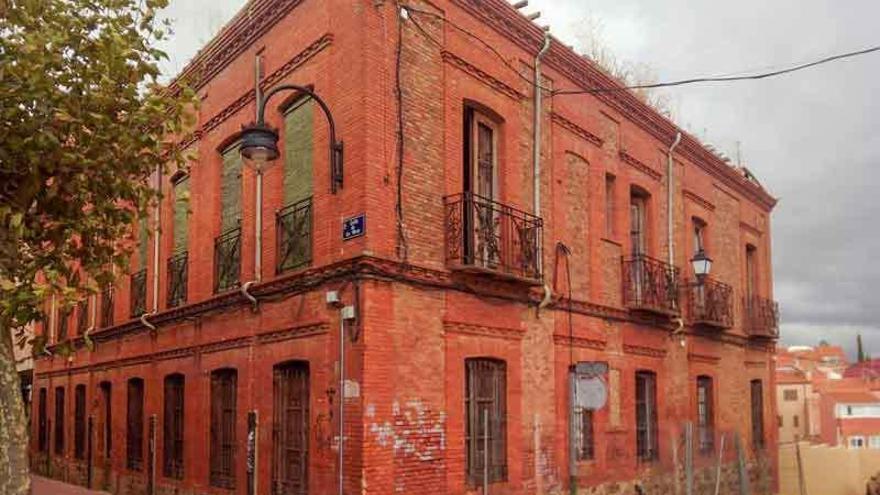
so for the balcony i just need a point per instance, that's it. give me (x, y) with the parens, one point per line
(650, 285)
(761, 317)
(138, 303)
(710, 304)
(293, 225)
(485, 236)
(177, 279)
(227, 260)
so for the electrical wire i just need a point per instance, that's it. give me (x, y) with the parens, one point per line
(695, 80)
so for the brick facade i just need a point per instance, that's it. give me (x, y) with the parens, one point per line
(418, 319)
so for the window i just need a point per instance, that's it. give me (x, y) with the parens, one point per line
(82, 316)
(135, 425)
(584, 439)
(227, 246)
(874, 442)
(705, 414)
(63, 322)
(59, 421)
(757, 403)
(856, 442)
(42, 419)
(582, 418)
(638, 206)
(178, 263)
(173, 426)
(795, 421)
(481, 155)
(223, 390)
(790, 395)
(647, 441)
(106, 400)
(751, 271)
(485, 405)
(107, 307)
(609, 205)
(291, 443)
(699, 235)
(298, 150)
(79, 421)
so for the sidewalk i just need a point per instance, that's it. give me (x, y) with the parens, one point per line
(45, 486)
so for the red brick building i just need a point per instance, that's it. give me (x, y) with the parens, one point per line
(474, 296)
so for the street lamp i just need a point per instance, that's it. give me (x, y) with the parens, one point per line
(701, 264)
(259, 142)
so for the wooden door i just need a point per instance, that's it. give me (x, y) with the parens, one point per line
(291, 429)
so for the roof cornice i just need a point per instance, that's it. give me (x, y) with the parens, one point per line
(507, 21)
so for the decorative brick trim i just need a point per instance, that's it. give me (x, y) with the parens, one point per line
(640, 166)
(696, 198)
(480, 75)
(297, 332)
(225, 345)
(250, 23)
(461, 328)
(508, 22)
(750, 229)
(576, 129)
(703, 358)
(640, 350)
(269, 81)
(580, 342)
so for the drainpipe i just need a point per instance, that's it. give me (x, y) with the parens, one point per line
(536, 158)
(670, 234)
(157, 241)
(258, 213)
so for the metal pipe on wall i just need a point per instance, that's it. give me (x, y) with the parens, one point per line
(670, 186)
(536, 158)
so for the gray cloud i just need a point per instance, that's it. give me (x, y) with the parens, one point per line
(810, 137)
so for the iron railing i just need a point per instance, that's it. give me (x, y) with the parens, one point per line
(710, 303)
(178, 267)
(487, 235)
(293, 227)
(650, 285)
(138, 293)
(227, 260)
(761, 317)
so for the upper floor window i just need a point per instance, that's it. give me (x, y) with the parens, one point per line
(173, 426)
(481, 154)
(705, 414)
(63, 323)
(135, 424)
(757, 403)
(486, 422)
(79, 421)
(223, 413)
(790, 395)
(751, 270)
(647, 435)
(638, 226)
(227, 247)
(178, 263)
(82, 316)
(298, 150)
(107, 307)
(699, 236)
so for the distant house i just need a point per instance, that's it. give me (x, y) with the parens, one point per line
(851, 419)
(869, 369)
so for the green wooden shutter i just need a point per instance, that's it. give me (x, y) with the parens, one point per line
(181, 215)
(298, 151)
(143, 242)
(230, 190)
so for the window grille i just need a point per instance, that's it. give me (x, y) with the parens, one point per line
(227, 260)
(222, 462)
(135, 425)
(173, 424)
(757, 402)
(647, 438)
(178, 266)
(485, 398)
(705, 414)
(293, 226)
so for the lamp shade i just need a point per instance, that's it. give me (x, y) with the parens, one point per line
(259, 145)
(701, 264)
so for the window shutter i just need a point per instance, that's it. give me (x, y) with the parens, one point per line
(298, 151)
(230, 189)
(181, 215)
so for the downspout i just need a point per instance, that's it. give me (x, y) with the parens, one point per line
(536, 158)
(157, 241)
(258, 207)
(670, 234)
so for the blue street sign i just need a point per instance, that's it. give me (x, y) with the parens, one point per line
(355, 226)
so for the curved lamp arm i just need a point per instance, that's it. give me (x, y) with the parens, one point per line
(335, 146)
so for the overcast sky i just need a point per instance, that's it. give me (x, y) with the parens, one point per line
(812, 137)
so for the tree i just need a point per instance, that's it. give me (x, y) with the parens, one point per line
(83, 125)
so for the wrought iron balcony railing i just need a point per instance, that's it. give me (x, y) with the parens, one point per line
(650, 285)
(761, 317)
(710, 303)
(178, 268)
(293, 227)
(138, 293)
(227, 260)
(489, 236)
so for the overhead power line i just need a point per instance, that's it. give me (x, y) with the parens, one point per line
(696, 80)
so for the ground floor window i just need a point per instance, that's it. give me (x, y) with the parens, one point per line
(59, 421)
(486, 420)
(647, 441)
(224, 383)
(134, 432)
(291, 427)
(856, 442)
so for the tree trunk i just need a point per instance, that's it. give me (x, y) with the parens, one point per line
(14, 438)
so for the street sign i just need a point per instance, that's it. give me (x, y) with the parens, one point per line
(355, 226)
